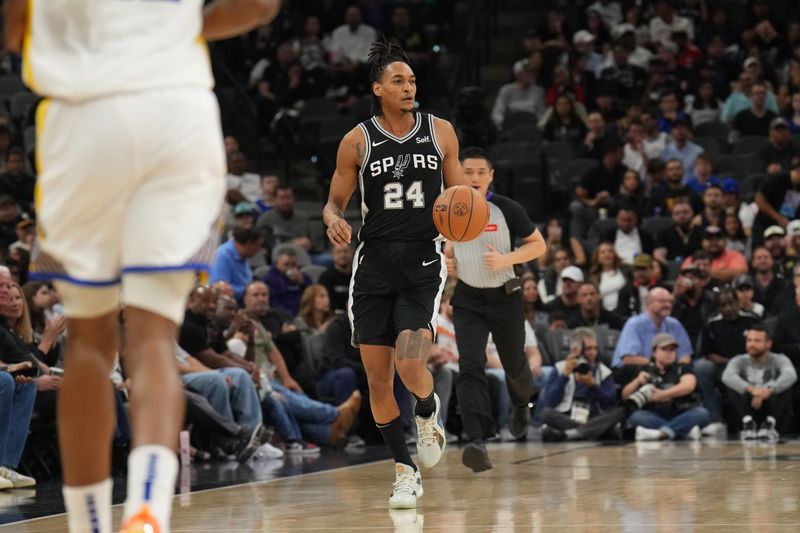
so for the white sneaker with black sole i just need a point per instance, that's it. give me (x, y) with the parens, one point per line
(767, 431)
(431, 441)
(749, 428)
(407, 487)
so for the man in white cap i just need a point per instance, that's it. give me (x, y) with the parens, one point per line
(775, 242)
(584, 46)
(792, 245)
(571, 279)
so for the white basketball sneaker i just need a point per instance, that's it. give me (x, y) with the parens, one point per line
(407, 487)
(431, 441)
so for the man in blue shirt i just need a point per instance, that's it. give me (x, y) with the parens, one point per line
(230, 263)
(635, 345)
(682, 148)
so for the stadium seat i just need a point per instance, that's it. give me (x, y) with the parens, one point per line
(750, 144)
(313, 271)
(524, 134)
(736, 165)
(711, 146)
(556, 342)
(715, 129)
(517, 119)
(20, 105)
(529, 191)
(654, 225)
(559, 150)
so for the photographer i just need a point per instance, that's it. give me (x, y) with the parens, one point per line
(580, 396)
(663, 392)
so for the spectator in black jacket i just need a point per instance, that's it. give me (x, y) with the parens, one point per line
(723, 338)
(776, 157)
(682, 239)
(664, 197)
(627, 238)
(590, 313)
(596, 189)
(694, 304)
(778, 200)
(766, 284)
(633, 295)
(337, 278)
(16, 181)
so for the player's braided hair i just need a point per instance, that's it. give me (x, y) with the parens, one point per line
(381, 54)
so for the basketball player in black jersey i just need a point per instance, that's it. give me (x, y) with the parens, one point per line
(401, 160)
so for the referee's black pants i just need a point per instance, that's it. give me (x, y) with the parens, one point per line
(476, 313)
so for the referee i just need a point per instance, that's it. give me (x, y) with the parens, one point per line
(488, 299)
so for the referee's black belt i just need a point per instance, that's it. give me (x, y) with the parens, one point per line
(480, 291)
(403, 246)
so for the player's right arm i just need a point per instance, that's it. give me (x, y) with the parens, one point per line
(348, 158)
(224, 19)
(14, 12)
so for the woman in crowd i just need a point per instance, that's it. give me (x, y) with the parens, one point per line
(557, 238)
(606, 270)
(535, 313)
(550, 283)
(704, 106)
(735, 239)
(39, 300)
(563, 123)
(315, 310)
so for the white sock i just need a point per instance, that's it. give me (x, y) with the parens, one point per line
(89, 507)
(152, 471)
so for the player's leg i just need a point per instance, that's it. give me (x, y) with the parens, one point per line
(508, 332)
(379, 365)
(86, 408)
(154, 308)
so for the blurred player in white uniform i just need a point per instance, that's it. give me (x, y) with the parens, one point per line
(131, 182)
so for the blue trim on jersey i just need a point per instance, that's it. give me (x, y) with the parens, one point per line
(174, 268)
(489, 195)
(60, 276)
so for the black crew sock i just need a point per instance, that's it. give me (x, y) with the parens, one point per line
(425, 406)
(396, 442)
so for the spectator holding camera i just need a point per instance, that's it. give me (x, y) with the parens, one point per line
(580, 396)
(663, 394)
(758, 384)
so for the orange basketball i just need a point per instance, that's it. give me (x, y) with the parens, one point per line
(460, 213)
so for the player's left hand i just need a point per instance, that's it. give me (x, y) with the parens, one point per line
(493, 260)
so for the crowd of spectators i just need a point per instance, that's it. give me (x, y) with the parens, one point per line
(669, 294)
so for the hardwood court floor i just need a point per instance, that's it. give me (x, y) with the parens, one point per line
(638, 487)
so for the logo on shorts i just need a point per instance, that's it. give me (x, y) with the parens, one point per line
(401, 165)
(426, 263)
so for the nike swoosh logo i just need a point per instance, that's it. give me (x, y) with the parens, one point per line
(426, 263)
(380, 142)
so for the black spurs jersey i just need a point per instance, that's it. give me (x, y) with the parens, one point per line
(400, 179)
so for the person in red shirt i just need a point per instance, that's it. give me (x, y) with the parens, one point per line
(726, 265)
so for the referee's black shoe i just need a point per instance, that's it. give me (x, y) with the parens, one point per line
(476, 457)
(520, 421)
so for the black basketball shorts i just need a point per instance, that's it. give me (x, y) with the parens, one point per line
(395, 286)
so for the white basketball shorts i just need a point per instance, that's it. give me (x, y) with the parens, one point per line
(129, 183)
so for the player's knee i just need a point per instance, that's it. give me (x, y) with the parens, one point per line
(88, 303)
(413, 345)
(161, 293)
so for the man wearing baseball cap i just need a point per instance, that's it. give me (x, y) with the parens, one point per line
(776, 156)
(775, 242)
(665, 393)
(725, 264)
(778, 200)
(792, 245)
(571, 279)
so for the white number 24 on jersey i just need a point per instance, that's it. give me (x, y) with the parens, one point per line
(393, 195)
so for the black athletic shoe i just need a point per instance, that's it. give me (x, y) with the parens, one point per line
(551, 434)
(258, 436)
(476, 457)
(520, 421)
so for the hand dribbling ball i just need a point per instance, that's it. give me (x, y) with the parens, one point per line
(460, 213)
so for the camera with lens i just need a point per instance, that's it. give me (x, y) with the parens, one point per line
(582, 365)
(639, 399)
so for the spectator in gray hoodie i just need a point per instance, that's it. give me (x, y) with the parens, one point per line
(759, 383)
